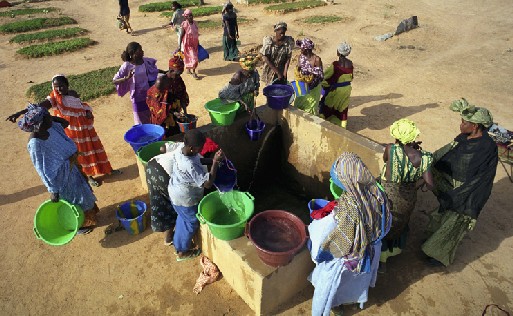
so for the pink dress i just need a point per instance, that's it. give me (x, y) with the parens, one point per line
(190, 42)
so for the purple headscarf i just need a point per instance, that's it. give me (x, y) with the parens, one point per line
(32, 120)
(305, 43)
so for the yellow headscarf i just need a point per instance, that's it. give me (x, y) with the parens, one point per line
(404, 130)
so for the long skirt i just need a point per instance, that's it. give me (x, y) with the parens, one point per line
(309, 102)
(231, 52)
(448, 229)
(403, 197)
(163, 216)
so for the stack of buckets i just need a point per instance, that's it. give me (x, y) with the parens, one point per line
(144, 154)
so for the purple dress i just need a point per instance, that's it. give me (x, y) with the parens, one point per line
(138, 86)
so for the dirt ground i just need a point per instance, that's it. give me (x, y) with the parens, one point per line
(462, 48)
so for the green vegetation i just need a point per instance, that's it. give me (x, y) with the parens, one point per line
(319, 19)
(55, 48)
(323, 19)
(89, 85)
(48, 35)
(13, 13)
(210, 24)
(35, 24)
(294, 6)
(265, 1)
(166, 6)
(197, 12)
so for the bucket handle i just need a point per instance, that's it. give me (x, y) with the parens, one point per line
(251, 197)
(74, 208)
(200, 218)
(38, 236)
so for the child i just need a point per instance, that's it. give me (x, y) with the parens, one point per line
(124, 16)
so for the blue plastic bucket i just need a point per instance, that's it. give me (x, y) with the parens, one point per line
(255, 129)
(226, 177)
(132, 216)
(316, 204)
(143, 134)
(279, 96)
(300, 88)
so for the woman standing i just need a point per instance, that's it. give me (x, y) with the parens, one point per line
(176, 21)
(244, 84)
(124, 15)
(309, 70)
(337, 86)
(66, 104)
(190, 42)
(463, 171)
(405, 164)
(346, 244)
(136, 75)
(230, 33)
(54, 156)
(168, 97)
(276, 52)
(188, 179)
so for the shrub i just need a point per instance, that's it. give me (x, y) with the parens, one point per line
(319, 19)
(201, 11)
(294, 6)
(265, 1)
(13, 13)
(165, 6)
(89, 85)
(209, 24)
(55, 48)
(35, 24)
(48, 35)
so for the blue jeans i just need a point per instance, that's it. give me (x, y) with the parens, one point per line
(186, 226)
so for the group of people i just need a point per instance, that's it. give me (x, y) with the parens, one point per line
(352, 241)
(369, 222)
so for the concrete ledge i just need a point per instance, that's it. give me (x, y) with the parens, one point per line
(262, 287)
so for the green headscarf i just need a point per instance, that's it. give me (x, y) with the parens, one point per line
(472, 113)
(404, 130)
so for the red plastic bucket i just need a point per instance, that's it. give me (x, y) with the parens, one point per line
(185, 126)
(277, 235)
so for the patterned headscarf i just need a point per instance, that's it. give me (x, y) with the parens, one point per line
(404, 130)
(176, 62)
(359, 211)
(187, 12)
(472, 113)
(280, 25)
(344, 49)
(249, 62)
(32, 120)
(305, 43)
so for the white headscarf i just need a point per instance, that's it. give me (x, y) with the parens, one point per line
(344, 49)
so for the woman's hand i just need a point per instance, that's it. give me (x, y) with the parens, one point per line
(13, 117)
(54, 197)
(130, 74)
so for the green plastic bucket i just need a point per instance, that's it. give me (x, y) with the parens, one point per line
(335, 190)
(57, 223)
(226, 213)
(222, 113)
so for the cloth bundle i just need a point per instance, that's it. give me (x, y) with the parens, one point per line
(210, 274)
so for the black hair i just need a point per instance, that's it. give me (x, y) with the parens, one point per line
(194, 138)
(131, 48)
(61, 79)
(176, 4)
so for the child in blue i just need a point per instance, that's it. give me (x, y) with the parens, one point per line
(188, 179)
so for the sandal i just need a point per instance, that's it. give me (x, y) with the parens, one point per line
(93, 182)
(168, 240)
(85, 230)
(189, 254)
(195, 76)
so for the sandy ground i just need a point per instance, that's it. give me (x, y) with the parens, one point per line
(463, 48)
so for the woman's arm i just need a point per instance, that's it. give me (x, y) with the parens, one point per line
(428, 180)
(13, 117)
(213, 171)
